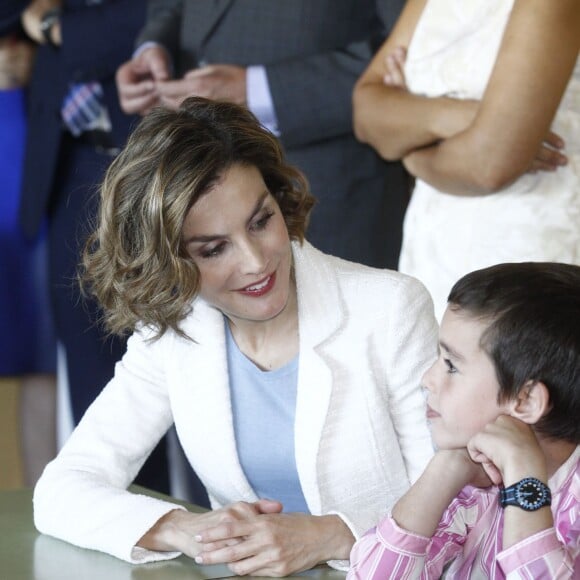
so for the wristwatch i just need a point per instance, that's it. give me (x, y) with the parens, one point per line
(530, 494)
(48, 20)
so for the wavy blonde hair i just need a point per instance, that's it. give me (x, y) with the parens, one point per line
(134, 262)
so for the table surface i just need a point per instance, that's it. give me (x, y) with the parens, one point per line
(27, 555)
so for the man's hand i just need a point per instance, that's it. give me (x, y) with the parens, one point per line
(222, 82)
(32, 16)
(137, 80)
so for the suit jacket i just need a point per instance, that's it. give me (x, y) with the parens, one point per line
(10, 11)
(313, 52)
(366, 337)
(97, 38)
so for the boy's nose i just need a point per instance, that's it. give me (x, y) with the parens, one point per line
(427, 381)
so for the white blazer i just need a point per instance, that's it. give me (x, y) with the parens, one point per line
(366, 338)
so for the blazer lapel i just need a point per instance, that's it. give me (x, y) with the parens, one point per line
(203, 410)
(321, 316)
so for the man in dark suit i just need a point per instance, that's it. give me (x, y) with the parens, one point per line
(80, 41)
(294, 64)
(10, 14)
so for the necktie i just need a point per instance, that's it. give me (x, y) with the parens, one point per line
(83, 109)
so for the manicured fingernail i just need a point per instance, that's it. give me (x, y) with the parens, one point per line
(198, 560)
(197, 538)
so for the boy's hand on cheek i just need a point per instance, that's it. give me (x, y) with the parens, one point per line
(457, 465)
(508, 450)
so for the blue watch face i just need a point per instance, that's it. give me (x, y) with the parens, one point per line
(531, 494)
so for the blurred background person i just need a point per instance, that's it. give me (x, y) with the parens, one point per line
(294, 64)
(481, 101)
(27, 344)
(76, 128)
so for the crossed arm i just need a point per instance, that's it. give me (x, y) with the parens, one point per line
(470, 147)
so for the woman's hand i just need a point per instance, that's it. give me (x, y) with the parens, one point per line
(276, 544)
(549, 156)
(177, 530)
(395, 68)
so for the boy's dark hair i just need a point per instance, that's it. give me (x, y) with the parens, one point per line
(533, 310)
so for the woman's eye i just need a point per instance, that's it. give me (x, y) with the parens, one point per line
(262, 222)
(450, 368)
(212, 252)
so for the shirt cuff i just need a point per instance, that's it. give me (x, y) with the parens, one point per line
(149, 44)
(401, 540)
(260, 98)
(533, 548)
(143, 47)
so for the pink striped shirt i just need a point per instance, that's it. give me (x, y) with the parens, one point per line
(468, 540)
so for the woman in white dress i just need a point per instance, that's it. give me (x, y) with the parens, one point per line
(481, 101)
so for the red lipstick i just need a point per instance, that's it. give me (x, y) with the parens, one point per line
(260, 287)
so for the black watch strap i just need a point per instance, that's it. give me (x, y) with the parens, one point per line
(48, 20)
(529, 494)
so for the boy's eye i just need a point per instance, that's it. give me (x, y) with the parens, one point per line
(262, 221)
(450, 368)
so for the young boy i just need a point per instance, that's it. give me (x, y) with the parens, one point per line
(504, 407)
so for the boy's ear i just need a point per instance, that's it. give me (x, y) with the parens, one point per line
(531, 403)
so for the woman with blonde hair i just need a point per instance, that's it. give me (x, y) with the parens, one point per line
(275, 362)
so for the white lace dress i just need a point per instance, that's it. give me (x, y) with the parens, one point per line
(537, 218)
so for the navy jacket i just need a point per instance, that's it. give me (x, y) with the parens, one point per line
(10, 15)
(97, 38)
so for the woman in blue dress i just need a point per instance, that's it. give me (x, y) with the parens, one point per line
(27, 350)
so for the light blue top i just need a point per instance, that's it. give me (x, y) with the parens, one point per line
(263, 408)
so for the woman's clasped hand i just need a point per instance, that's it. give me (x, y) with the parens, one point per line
(252, 538)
